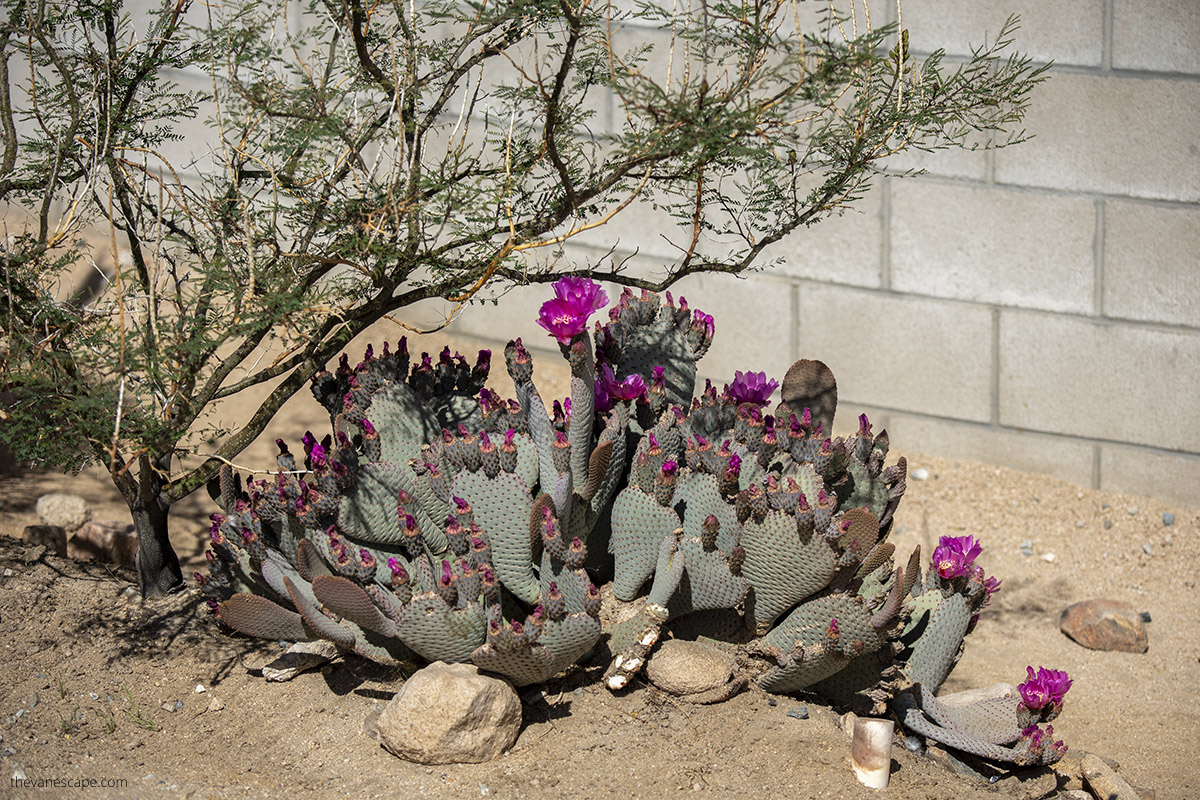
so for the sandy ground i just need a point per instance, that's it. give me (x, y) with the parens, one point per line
(98, 686)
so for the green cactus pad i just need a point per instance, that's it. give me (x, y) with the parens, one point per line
(782, 567)
(437, 632)
(639, 525)
(561, 644)
(368, 508)
(819, 657)
(701, 498)
(316, 622)
(404, 421)
(502, 508)
(707, 582)
(940, 644)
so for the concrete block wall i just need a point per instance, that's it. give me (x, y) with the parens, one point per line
(1036, 307)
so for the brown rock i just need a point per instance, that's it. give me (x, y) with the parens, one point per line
(681, 667)
(111, 541)
(1105, 625)
(451, 714)
(52, 537)
(1104, 782)
(69, 511)
(1069, 768)
(300, 657)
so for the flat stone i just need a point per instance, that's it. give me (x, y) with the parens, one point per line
(300, 657)
(1103, 781)
(1101, 624)
(106, 540)
(52, 537)
(32, 554)
(971, 696)
(69, 511)
(451, 714)
(682, 667)
(1028, 784)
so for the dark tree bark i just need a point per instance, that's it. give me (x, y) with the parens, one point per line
(158, 567)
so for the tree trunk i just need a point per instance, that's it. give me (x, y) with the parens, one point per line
(157, 565)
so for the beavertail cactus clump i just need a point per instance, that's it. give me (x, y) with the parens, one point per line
(439, 522)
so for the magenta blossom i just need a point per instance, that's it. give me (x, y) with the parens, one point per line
(609, 390)
(566, 315)
(1045, 687)
(752, 387)
(954, 555)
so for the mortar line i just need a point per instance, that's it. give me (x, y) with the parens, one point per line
(1106, 32)
(885, 237)
(995, 376)
(1098, 257)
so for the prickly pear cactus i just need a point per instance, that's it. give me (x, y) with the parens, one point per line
(403, 539)
(438, 522)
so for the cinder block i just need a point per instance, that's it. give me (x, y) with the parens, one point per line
(652, 232)
(1121, 136)
(914, 354)
(953, 162)
(753, 320)
(1151, 260)
(1158, 35)
(1102, 380)
(843, 248)
(1065, 31)
(1173, 477)
(991, 245)
(1059, 456)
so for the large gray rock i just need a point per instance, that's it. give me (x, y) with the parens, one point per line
(67, 511)
(1105, 625)
(451, 714)
(682, 667)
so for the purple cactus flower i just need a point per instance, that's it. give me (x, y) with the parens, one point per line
(991, 585)
(609, 390)
(1045, 687)
(954, 555)
(574, 300)
(752, 387)
(670, 468)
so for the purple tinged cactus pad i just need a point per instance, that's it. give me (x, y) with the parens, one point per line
(259, 617)
(783, 568)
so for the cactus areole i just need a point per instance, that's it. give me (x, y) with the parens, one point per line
(438, 521)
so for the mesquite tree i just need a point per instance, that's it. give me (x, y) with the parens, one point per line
(364, 156)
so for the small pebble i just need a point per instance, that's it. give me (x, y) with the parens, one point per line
(93, 695)
(771, 701)
(1168, 518)
(1147, 549)
(179, 705)
(799, 712)
(168, 707)
(919, 474)
(1145, 615)
(1079, 523)
(215, 705)
(8, 752)
(200, 688)
(1027, 547)
(1107, 524)
(914, 744)
(8, 573)
(33, 699)
(1105, 507)
(1049, 558)
(19, 775)
(1132, 510)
